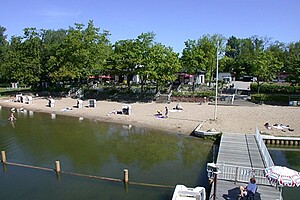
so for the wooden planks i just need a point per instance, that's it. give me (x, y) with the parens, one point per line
(241, 150)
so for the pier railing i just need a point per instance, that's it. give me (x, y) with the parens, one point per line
(263, 150)
(242, 174)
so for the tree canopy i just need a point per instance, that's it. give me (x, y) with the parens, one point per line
(84, 50)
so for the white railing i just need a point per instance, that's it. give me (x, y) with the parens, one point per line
(263, 149)
(242, 174)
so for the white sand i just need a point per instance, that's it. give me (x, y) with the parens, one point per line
(231, 119)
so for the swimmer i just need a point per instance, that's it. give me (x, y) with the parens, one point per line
(12, 117)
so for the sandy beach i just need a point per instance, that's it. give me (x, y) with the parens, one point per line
(230, 119)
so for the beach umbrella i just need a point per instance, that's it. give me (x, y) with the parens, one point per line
(282, 176)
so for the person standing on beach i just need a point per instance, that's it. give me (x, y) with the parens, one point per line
(167, 112)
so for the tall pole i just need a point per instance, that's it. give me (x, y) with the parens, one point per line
(217, 76)
(215, 186)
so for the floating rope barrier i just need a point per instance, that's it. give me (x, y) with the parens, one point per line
(151, 185)
(88, 176)
(29, 166)
(92, 176)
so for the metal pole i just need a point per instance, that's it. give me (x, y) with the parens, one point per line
(280, 189)
(215, 186)
(216, 98)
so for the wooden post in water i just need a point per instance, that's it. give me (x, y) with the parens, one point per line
(3, 157)
(125, 179)
(125, 176)
(57, 166)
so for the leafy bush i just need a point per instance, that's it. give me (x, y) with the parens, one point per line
(193, 94)
(269, 88)
(270, 98)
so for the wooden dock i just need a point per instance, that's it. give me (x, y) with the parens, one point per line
(239, 159)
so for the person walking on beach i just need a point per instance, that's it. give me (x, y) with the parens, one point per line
(167, 112)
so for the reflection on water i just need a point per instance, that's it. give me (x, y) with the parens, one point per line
(289, 158)
(101, 149)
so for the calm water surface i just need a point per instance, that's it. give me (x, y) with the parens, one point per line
(290, 158)
(100, 149)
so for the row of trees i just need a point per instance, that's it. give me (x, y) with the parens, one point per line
(74, 54)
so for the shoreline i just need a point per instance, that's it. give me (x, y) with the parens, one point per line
(230, 119)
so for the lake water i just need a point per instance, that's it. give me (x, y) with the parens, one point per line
(289, 157)
(105, 149)
(99, 149)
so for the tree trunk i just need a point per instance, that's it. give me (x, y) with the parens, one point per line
(128, 81)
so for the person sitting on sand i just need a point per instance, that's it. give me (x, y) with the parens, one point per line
(249, 190)
(267, 125)
(12, 117)
(158, 112)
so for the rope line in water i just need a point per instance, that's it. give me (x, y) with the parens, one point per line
(29, 166)
(89, 176)
(151, 185)
(92, 176)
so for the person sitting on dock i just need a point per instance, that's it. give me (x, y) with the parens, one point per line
(249, 190)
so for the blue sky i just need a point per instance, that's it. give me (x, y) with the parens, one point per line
(173, 21)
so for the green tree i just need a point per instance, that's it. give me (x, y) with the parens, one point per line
(232, 51)
(201, 54)
(82, 53)
(12, 61)
(21, 60)
(265, 67)
(192, 58)
(143, 45)
(125, 59)
(293, 62)
(3, 51)
(31, 56)
(162, 65)
(51, 42)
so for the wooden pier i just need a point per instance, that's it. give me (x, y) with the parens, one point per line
(239, 159)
